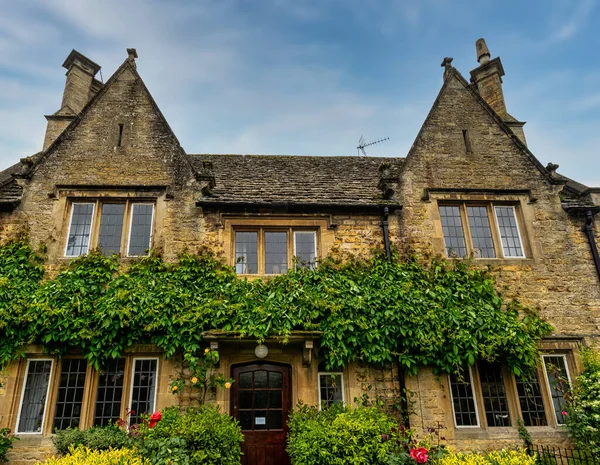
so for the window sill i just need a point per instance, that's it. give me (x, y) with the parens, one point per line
(509, 432)
(496, 261)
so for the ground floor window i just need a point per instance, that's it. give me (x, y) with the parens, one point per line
(503, 397)
(331, 389)
(32, 410)
(69, 398)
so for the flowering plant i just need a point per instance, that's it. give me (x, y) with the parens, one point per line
(409, 450)
(419, 454)
(154, 419)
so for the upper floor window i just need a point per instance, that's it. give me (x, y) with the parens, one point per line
(273, 250)
(111, 226)
(481, 230)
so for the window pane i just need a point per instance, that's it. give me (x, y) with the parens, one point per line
(110, 392)
(305, 248)
(463, 400)
(144, 388)
(33, 403)
(494, 394)
(141, 229)
(481, 234)
(276, 259)
(558, 383)
(330, 388)
(70, 393)
(509, 232)
(111, 228)
(454, 236)
(530, 399)
(78, 242)
(246, 252)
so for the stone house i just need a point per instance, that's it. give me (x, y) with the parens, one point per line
(113, 176)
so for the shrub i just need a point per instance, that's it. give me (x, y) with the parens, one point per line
(85, 456)
(583, 406)
(199, 436)
(339, 435)
(97, 438)
(503, 457)
(6, 440)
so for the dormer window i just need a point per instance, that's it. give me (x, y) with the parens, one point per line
(111, 226)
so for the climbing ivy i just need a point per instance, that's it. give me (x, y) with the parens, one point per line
(444, 315)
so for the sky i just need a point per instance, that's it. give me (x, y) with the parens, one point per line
(310, 77)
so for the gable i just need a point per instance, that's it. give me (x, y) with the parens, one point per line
(497, 160)
(120, 138)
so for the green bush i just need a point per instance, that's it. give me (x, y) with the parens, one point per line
(85, 456)
(199, 436)
(97, 438)
(6, 440)
(339, 436)
(583, 405)
(502, 457)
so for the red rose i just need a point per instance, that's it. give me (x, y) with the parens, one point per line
(154, 419)
(419, 454)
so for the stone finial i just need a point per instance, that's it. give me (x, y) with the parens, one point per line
(552, 167)
(447, 64)
(483, 53)
(132, 54)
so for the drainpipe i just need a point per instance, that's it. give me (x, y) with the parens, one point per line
(386, 233)
(588, 229)
(401, 378)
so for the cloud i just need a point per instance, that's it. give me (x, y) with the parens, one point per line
(576, 20)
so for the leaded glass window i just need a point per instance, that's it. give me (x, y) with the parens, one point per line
(531, 401)
(481, 233)
(35, 393)
(143, 390)
(70, 393)
(80, 229)
(305, 248)
(454, 236)
(111, 228)
(494, 394)
(557, 376)
(276, 252)
(509, 232)
(463, 400)
(246, 252)
(140, 231)
(110, 392)
(331, 389)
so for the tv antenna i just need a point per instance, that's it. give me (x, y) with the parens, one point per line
(362, 145)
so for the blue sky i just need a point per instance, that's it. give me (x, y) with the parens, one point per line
(310, 77)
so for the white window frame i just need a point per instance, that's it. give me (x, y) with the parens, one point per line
(23, 396)
(329, 373)
(93, 204)
(129, 404)
(514, 210)
(478, 425)
(130, 228)
(548, 387)
(314, 233)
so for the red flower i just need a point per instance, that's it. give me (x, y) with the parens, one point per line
(154, 419)
(419, 454)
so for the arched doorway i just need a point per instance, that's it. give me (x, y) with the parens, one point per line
(261, 401)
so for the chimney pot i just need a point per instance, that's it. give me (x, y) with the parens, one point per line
(483, 53)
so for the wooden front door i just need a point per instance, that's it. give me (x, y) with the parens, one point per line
(260, 401)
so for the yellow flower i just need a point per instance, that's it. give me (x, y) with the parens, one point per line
(174, 388)
(194, 380)
(227, 385)
(207, 350)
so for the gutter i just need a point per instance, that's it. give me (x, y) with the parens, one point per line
(588, 229)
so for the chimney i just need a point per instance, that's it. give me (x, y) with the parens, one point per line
(488, 78)
(80, 87)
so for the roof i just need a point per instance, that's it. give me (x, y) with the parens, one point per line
(272, 180)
